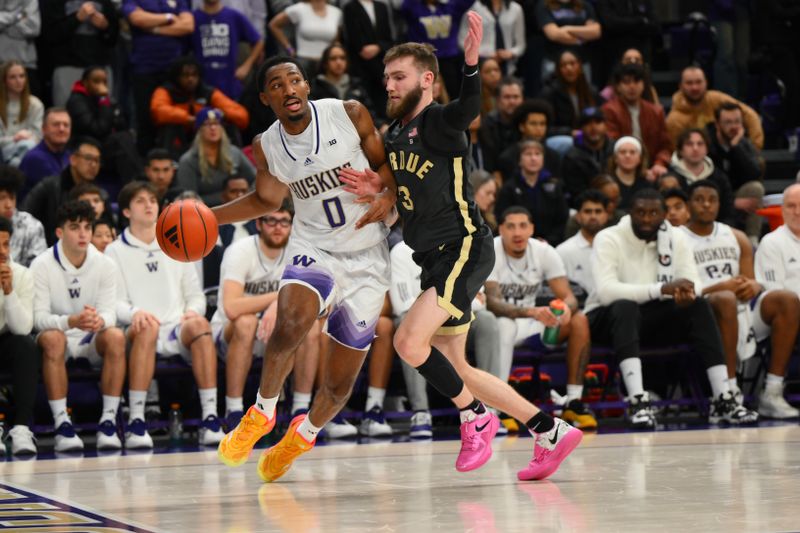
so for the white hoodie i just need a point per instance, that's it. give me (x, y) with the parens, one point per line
(678, 164)
(625, 267)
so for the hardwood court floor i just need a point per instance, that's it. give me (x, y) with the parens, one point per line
(725, 480)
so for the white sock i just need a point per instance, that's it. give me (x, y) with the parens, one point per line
(733, 385)
(718, 377)
(375, 397)
(307, 430)
(468, 415)
(774, 384)
(137, 399)
(631, 370)
(110, 406)
(59, 409)
(300, 400)
(208, 402)
(266, 406)
(574, 392)
(233, 404)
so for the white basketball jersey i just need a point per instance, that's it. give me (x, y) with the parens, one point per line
(244, 263)
(716, 255)
(520, 279)
(308, 164)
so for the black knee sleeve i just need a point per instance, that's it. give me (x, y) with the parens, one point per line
(438, 371)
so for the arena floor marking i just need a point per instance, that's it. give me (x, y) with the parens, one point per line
(24, 510)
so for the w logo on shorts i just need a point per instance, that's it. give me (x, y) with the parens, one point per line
(303, 260)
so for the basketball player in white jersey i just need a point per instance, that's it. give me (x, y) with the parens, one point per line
(331, 265)
(724, 258)
(249, 278)
(522, 265)
(161, 302)
(778, 254)
(576, 252)
(73, 311)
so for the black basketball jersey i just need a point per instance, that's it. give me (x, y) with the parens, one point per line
(434, 196)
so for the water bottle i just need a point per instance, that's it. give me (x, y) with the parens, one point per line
(550, 335)
(175, 423)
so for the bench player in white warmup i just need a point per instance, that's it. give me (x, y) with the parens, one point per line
(73, 311)
(522, 265)
(724, 258)
(247, 304)
(162, 303)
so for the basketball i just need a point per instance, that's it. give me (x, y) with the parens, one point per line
(187, 230)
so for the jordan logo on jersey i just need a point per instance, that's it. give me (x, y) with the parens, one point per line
(152, 267)
(75, 293)
(304, 260)
(316, 184)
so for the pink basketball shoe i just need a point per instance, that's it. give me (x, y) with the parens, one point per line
(550, 449)
(476, 442)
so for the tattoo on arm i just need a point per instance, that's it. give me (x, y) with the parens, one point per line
(497, 304)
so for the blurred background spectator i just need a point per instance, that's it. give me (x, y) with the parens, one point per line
(176, 103)
(503, 32)
(567, 25)
(218, 32)
(158, 31)
(79, 35)
(51, 155)
(569, 92)
(95, 114)
(212, 159)
(20, 24)
(21, 114)
(368, 34)
(335, 81)
(317, 24)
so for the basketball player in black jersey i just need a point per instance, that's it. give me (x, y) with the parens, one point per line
(428, 152)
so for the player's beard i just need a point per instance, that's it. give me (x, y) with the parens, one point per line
(593, 228)
(643, 234)
(274, 243)
(406, 105)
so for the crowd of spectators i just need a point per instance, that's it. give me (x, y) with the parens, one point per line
(580, 167)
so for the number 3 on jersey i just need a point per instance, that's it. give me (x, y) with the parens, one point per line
(335, 214)
(405, 198)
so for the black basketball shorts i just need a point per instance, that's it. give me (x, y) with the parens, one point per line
(457, 271)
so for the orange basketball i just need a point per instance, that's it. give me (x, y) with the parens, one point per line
(187, 230)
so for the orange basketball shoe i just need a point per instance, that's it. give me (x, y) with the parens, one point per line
(234, 449)
(276, 461)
